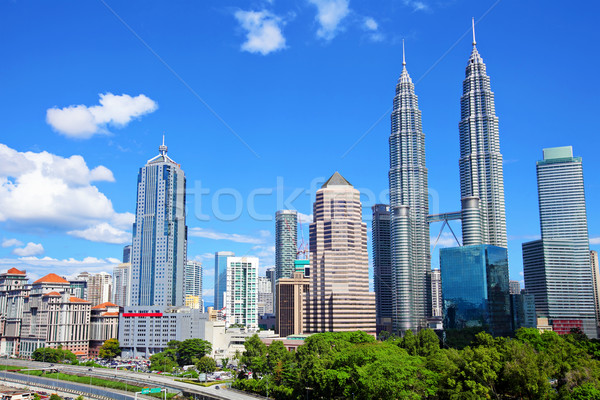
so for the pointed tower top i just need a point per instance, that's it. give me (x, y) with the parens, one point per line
(162, 148)
(473, 23)
(336, 180)
(403, 55)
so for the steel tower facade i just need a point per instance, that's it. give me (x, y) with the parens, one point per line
(481, 171)
(409, 208)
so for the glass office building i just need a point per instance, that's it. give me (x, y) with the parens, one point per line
(221, 277)
(475, 288)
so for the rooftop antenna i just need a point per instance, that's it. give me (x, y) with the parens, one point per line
(473, 23)
(162, 148)
(403, 56)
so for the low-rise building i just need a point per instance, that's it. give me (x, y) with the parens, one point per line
(146, 330)
(52, 317)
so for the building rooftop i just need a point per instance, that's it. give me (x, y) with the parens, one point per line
(104, 305)
(336, 180)
(74, 299)
(51, 278)
(52, 294)
(14, 271)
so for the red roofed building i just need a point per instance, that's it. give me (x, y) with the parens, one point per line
(53, 317)
(104, 325)
(13, 290)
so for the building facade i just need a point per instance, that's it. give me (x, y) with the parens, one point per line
(99, 288)
(436, 293)
(291, 304)
(192, 278)
(286, 242)
(104, 325)
(158, 254)
(557, 268)
(241, 296)
(515, 287)
(409, 207)
(480, 163)
(382, 266)
(221, 277)
(13, 290)
(596, 282)
(52, 317)
(339, 297)
(121, 292)
(127, 254)
(265, 296)
(475, 288)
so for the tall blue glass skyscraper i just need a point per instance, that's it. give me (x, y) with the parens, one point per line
(221, 277)
(159, 246)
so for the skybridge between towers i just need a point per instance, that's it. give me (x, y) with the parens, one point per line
(445, 217)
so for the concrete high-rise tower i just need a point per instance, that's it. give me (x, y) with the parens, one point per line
(286, 243)
(221, 277)
(409, 206)
(339, 297)
(159, 246)
(192, 278)
(481, 172)
(557, 268)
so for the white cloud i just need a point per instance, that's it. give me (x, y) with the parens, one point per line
(11, 243)
(416, 5)
(83, 122)
(330, 14)
(263, 31)
(31, 249)
(234, 237)
(371, 24)
(104, 233)
(446, 240)
(51, 192)
(203, 257)
(595, 240)
(305, 219)
(208, 293)
(265, 254)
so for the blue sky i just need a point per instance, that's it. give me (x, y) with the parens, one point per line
(260, 102)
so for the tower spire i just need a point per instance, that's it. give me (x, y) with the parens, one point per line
(162, 149)
(403, 55)
(473, 23)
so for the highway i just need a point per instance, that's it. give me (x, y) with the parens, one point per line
(137, 378)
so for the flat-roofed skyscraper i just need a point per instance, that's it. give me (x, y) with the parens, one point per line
(221, 277)
(557, 268)
(339, 298)
(158, 253)
(480, 163)
(193, 278)
(382, 266)
(286, 243)
(409, 206)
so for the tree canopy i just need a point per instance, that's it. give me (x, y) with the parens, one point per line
(110, 349)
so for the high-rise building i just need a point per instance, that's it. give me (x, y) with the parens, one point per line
(557, 267)
(515, 287)
(241, 296)
(291, 303)
(159, 244)
(409, 206)
(475, 288)
(270, 273)
(523, 310)
(286, 243)
(121, 292)
(192, 278)
(436, 293)
(104, 325)
(480, 164)
(339, 297)
(596, 282)
(127, 254)
(99, 288)
(382, 266)
(265, 296)
(221, 278)
(79, 288)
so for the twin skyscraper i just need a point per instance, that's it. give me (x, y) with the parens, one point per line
(482, 191)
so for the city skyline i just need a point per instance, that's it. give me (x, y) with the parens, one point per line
(520, 63)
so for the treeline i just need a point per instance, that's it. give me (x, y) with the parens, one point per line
(353, 365)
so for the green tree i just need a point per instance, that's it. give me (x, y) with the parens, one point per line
(54, 396)
(162, 361)
(80, 397)
(224, 362)
(255, 355)
(524, 374)
(206, 364)
(110, 349)
(36, 396)
(191, 349)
